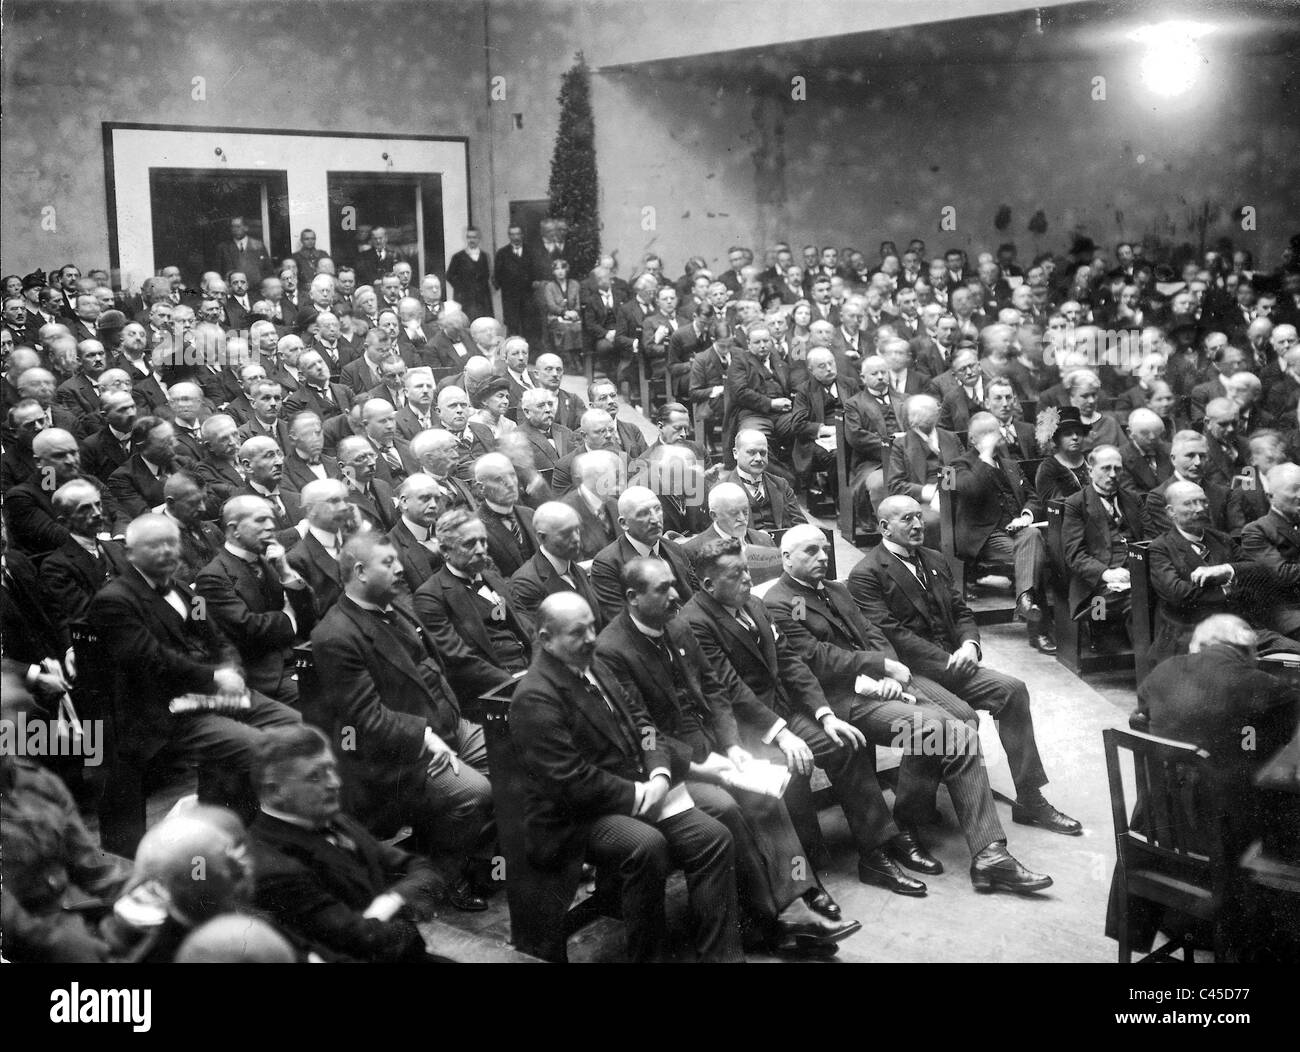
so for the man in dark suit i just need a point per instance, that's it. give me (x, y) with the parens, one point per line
(473, 439)
(159, 648)
(772, 503)
(708, 379)
(219, 468)
(74, 572)
(658, 662)
(260, 603)
(107, 449)
(512, 275)
(331, 520)
(597, 773)
(1273, 541)
(994, 515)
(599, 305)
(137, 486)
(1097, 526)
(555, 567)
(818, 404)
(597, 432)
(80, 394)
(262, 465)
(1189, 453)
(872, 417)
(185, 501)
(372, 497)
(317, 393)
(377, 258)
(508, 524)
(550, 441)
(304, 461)
(244, 254)
(321, 875)
(603, 394)
(35, 525)
(408, 756)
(1145, 456)
(596, 478)
(758, 392)
(729, 512)
(1228, 454)
(467, 613)
(1197, 571)
(420, 500)
(642, 519)
(864, 682)
(918, 458)
(908, 592)
(264, 420)
(781, 711)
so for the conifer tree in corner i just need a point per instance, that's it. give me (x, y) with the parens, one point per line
(573, 171)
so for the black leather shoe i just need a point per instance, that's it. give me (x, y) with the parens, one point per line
(907, 851)
(879, 869)
(1027, 609)
(816, 927)
(819, 901)
(464, 898)
(1040, 813)
(1043, 644)
(799, 947)
(995, 869)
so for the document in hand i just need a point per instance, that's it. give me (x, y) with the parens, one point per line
(200, 702)
(677, 801)
(759, 776)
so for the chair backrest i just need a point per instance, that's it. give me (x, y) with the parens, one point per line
(311, 701)
(1029, 471)
(845, 490)
(1141, 605)
(512, 414)
(1055, 549)
(1176, 820)
(1029, 409)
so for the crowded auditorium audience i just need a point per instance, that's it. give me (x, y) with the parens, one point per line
(288, 528)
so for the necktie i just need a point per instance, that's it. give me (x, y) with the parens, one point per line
(512, 524)
(394, 461)
(335, 835)
(747, 623)
(1200, 548)
(277, 504)
(754, 488)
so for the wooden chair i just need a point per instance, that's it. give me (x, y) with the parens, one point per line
(860, 535)
(1170, 852)
(310, 698)
(1141, 606)
(1029, 409)
(1070, 640)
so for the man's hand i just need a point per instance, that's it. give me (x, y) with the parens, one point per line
(655, 791)
(384, 907)
(781, 405)
(889, 688)
(825, 432)
(716, 390)
(70, 665)
(738, 756)
(1020, 522)
(712, 765)
(842, 732)
(437, 747)
(966, 660)
(798, 757)
(1210, 575)
(228, 681)
(1117, 579)
(897, 670)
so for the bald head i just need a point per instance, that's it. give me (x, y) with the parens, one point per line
(234, 938)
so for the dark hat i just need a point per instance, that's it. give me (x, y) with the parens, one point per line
(489, 388)
(304, 319)
(34, 280)
(1068, 419)
(111, 321)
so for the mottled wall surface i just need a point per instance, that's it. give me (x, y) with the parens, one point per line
(408, 68)
(855, 164)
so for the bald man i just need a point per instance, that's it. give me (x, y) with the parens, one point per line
(1145, 456)
(555, 567)
(509, 524)
(472, 439)
(872, 418)
(75, 571)
(261, 462)
(160, 645)
(594, 497)
(641, 518)
(772, 502)
(34, 523)
(419, 503)
(596, 430)
(1273, 541)
(550, 441)
(728, 507)
(260, 603)
(818, 405)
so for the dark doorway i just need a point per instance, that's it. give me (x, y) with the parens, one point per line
(192, 212)
(409, 207)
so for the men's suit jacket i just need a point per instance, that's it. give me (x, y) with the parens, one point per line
(222, 479)
(1086, 539)
(278, 432)
(546, 456)
(1274, 543)
(582, 756)
(597, 319)
(631, 317)
(767, 678)
(708, 371)
(360, 375)
(780, 495)
(506, 553)
(34, 525)
(375, 688)
(1155, 519)
(810, 415)
(376, 504)
(829, 633)
(320, 570)
(29, 632)
(1203, 394)
(894, 600)
(78, 395)
(1139, 472)
(319, 890)
(956, 409)
(135, 489)
(252, 260)
(511, 273)
(865, 430)
(596, 531)
(70, 577)
(453, 620)
(751, 387)
(199, 544)
(297, 473)
(537, 578)
(155, 654)
(692, 546)
(250, 611)
(980, 508)
(562, 480)
(386, 472)
(607, 573)
(418, 563)
(408, 423)
(310, 399)
(698, 712)
(908, 472)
